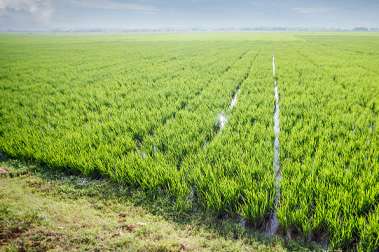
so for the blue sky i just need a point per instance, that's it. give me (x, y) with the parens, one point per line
(130, 14)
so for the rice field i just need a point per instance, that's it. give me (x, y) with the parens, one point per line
(277, 129)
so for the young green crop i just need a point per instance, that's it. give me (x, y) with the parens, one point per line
(329, 142)
(143, 110)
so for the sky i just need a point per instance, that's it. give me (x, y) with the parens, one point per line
(155, 14)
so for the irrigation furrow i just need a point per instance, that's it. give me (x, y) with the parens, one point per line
(234, 99)
(202, 90)
(273, 224)
(164, 120)
(198, 94)
(222, 117)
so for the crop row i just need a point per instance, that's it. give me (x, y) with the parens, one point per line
(158, 115)
(146, 115)
(84, 117)
(329, 153)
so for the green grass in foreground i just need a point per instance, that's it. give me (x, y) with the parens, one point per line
(45, 210)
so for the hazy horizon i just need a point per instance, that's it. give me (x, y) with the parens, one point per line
(156, 14)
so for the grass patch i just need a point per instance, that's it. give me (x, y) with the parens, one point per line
(44, 210)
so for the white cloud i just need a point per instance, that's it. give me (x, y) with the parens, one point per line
(24, 14)
(315, 10)
(45, 8)
(41, 9)
(108, 5)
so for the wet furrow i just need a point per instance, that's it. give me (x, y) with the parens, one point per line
(273, 224)
(222, 117)
(234, 99)
(222, 120)
(230, 175)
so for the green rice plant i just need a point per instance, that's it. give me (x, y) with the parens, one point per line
(368, 232)
(327, 141)
(256, 206)
(145, 112)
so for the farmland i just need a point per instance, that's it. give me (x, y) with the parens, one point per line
(197, 117)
